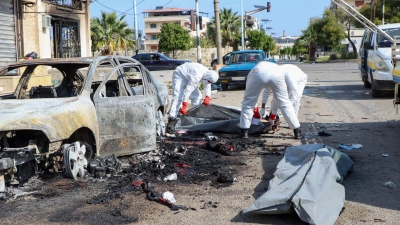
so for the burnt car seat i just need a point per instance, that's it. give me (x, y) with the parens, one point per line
(42, 92)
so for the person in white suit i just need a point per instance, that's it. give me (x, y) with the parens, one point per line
(185, 81)
(267, 75)
(296, 80)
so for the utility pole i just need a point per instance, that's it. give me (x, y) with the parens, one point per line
(198, 33)
(135, 26)
(241, 23)
(383, 13)
(218, 29)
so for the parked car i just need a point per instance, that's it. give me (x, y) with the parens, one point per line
(239, 65)
(225, 59)
(91, 106)
(158, 61)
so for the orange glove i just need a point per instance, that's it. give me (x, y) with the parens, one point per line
(206, 100)
(184, 108)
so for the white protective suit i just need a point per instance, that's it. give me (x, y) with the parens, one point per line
(296, 80)
(185, 81)
(267, 75)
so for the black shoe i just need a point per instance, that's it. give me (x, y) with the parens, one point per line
(171, 125)
(297, 133)
(244, 133)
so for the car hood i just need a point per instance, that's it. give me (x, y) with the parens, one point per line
(242, 66)
(58, 118)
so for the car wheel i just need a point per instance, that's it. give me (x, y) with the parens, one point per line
(160, 125)
(174, 67)
(213, 64)
(374, 93)
(367, 84)
(224, 87)
(76, 156)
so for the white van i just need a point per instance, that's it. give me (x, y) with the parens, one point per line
(375, 59)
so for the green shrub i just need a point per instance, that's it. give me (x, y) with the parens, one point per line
(306, 57)
(333, 57)
(351, 55)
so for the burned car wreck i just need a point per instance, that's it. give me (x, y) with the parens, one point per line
(86, 107)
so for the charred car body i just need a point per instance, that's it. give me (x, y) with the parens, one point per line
(92, 106)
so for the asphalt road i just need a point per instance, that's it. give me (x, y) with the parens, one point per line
(336, 102)
(334, 98)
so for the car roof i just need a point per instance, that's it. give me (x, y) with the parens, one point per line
(247, 51)
(59, 61)
(386, 26)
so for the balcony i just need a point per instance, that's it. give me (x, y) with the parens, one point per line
(152, 31)
(73, 4)
(150, 42)
(166, 18)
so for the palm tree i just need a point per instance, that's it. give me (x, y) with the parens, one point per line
(230, 28)
(110, 33)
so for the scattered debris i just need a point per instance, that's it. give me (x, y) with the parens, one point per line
(157, 197)
(385, 155)
(390, 185)
(325, 114)
(171, 177)
(169, 196)
(350, 146)
(102, 166)
(379, 220)
(324, 134)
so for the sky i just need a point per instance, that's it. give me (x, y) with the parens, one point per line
(289, 16)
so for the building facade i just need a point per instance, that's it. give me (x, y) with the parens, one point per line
(50, 28)
(154, 19)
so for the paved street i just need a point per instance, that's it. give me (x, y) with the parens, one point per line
(334, 101)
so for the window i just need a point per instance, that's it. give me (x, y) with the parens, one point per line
(154, 37)
(153, 25)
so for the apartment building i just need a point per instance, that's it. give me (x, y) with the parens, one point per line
(155, 18)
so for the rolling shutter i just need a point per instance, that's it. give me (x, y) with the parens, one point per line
(8, 51)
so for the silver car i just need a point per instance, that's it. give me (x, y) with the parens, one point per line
(90, 106)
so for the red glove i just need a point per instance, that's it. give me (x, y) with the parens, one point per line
(184, 108)
(206, 100)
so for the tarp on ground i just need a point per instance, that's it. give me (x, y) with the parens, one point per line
(215, 118)
(307, 180)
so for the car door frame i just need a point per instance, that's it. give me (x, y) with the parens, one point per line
(127, 124)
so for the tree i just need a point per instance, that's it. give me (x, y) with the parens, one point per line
(205, 42)
(257, 39)
(229, 26)
(347, 21)
(325, 31)
(270, 46)
(174, 37)
(109, 33)
(299, 47)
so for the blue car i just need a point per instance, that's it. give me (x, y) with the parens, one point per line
(239, 65)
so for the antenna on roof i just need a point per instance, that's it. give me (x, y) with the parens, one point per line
(159, 7)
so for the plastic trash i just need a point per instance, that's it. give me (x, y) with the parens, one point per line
(350, 146)
(390, 185)
(169, 196)
(171, 177)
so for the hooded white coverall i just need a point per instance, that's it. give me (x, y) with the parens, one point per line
(296, 80)
(267, 75)
(185, 81)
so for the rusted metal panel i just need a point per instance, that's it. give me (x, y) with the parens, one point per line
(58, 118)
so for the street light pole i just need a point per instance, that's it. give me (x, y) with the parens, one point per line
(241, 23)
(135, 26)
(198, 33)
(218, 31)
